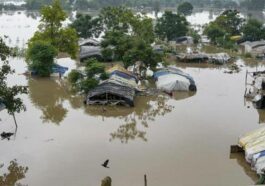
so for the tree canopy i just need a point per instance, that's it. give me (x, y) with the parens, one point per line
(253, 30)
(171, 26)
(64, 39)
(185, 8)
(228, 24)
(86, 26)
(40, 57)
(9, 94)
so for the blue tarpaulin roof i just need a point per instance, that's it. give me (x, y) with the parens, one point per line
(123, 75)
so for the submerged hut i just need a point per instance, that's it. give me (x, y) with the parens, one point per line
(87, 52)
(253, 144)
(172, 79)
(111, 93)
(119, 89)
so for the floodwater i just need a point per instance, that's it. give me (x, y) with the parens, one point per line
(184, 140)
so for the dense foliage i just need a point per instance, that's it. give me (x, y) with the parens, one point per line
(228, 24)
(86, 26)
(40, 57)
(185, 8)
(171, 26)
(128, 37)
(253, 30)
(64, 39)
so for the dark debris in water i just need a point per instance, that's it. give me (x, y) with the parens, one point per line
(6, 135)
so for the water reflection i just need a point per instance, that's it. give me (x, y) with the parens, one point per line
(49, 95)
(15, 173)
(240, 159)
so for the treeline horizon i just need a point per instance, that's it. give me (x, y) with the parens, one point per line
(155, 5)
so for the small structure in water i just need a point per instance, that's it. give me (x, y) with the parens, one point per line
(218, 58)
(255, 48)
(253, 144)
(172, 79)
(111, 94)
(256, 92)
(119, 89)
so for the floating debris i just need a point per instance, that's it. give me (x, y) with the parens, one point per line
(6, 135)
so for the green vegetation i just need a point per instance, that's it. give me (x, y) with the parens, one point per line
(171, 26)
(40, 57)
(253, 30)
(128, 37)
(185, 8)
(84, 83)
(228, 24)
(86, 26)
(9, 94)
(64, 39)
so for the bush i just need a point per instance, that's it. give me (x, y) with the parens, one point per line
(248, 55)
(88, 84)
(40, 57)
(74, 76)
(94, 67)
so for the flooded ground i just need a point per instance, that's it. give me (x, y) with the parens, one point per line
(183, 140)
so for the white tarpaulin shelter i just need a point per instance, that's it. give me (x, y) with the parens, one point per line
(172, 82)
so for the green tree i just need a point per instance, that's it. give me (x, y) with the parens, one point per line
(86, 26)
(230, 21)
(253, 30)
(51, 30)
(125, 34)
(40, 57)
(185, 8)
(214, 32)
(228, 24)
(9, 94)
(171, 26)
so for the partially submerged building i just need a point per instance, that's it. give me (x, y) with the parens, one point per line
(87, 52)
(184, 40)
(255, 48)
(172, 79)
(109, 93)
(89, 42)
(216, 58)
(119, 89)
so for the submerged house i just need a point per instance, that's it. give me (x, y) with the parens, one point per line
(253, 145)
(87, 52)
(89, 42)
(119, 89)
(109, 93)
(172, 79)
(256, 92)
(256, 48)
(184, 40)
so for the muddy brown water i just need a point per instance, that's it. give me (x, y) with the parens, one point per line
(184, 140)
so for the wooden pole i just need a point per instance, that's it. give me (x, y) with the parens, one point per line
(145, 180)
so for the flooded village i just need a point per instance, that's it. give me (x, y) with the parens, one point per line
(129, 94)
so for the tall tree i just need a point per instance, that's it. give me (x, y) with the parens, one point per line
(171, 26)
(253, 30)
(64, 39)
(87, 26)
(185, 8)
(9, 94)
